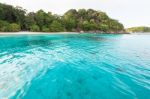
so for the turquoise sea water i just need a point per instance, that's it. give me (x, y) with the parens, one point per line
(75, 66)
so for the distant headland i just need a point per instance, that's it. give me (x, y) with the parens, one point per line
(139, 29)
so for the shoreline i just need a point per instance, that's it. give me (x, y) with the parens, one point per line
(35, 33)
(32, 33)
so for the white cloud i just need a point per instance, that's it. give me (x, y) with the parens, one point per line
(129, 12)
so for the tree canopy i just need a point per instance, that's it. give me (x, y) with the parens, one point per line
(16, 19)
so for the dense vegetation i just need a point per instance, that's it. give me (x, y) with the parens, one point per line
(138, 29)
(16, 19)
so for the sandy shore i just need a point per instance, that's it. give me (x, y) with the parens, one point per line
(22, 32)
(48, 33)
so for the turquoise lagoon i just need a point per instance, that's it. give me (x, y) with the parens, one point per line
(75, 66)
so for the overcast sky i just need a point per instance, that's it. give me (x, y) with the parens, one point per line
(128, 12)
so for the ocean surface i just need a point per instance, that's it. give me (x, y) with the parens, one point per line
(75, 66)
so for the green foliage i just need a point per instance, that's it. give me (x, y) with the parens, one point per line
(7, 27)
(72, 20)
(138, 29)
(114, 26)
(13, 27)
(29, 20)
(90, 20)
(86, 26)
(4, 26)
(103, 27)
(56, 27)
(39, 18)
(12, 14)
(45, 29)
(69, 23)
(34, 28)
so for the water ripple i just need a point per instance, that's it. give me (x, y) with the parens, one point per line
(74, 67)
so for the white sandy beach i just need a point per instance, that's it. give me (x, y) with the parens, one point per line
(26, 32)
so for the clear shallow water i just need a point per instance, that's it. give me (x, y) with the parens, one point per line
(74, 66)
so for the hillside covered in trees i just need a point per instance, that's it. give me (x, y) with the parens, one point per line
(13, 19)
(138, 29)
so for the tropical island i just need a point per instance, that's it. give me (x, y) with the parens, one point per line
(14, 19)
(142, 29)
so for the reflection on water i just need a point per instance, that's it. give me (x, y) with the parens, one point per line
(75, 66)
